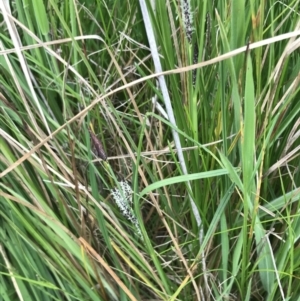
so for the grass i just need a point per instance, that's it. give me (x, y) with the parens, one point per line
(122, 182)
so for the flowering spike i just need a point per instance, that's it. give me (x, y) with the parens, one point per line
(122, 195)
(187, 17)
(97, 145)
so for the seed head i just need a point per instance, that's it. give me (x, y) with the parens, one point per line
(97, 146)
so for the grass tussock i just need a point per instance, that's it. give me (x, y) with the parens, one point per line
(149, 150)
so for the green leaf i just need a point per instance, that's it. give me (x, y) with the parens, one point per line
(41, 16)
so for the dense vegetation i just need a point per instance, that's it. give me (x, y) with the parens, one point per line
(119, 184)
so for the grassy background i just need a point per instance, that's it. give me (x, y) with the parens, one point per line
(69, 68)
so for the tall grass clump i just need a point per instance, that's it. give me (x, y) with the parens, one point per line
(149, 150)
